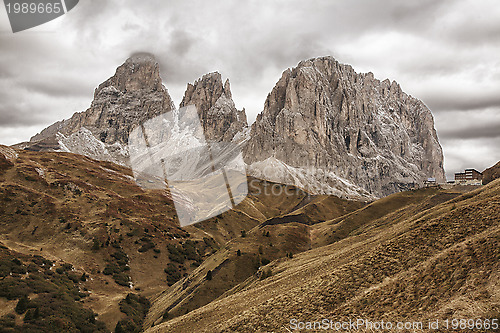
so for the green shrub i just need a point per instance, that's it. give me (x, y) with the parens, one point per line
(135, 307)
(122, 279)
(22, 304)
(173, 274)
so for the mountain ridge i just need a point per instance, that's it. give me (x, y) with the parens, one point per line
(324, 127)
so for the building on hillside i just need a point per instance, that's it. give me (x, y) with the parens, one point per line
(430, 182)
(469, 177)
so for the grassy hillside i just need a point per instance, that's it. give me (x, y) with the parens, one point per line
(91, 214)
(428, 254)
(40, 296)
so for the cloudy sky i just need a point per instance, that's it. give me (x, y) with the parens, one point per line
(446, 53)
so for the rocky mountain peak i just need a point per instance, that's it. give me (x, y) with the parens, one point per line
(132, 95)
(140, 72)
(213, 99)
(328, 127)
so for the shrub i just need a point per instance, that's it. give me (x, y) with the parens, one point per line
(173, 274)
(135, 308)
(22, 304)
(174, 254)
(122, 279)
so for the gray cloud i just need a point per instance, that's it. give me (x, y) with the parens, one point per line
(490, 130)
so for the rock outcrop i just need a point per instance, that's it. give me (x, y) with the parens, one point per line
(219, 117)
(134, 94)
(331, 130)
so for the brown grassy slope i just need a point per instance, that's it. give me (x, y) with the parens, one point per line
(260, 205)
(228, 269)
(56, 204)
(491, 173)
(316, 209)
(258, 247)
(397, 206)
(441, 263)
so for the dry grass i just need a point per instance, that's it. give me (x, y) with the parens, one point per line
(410, 261)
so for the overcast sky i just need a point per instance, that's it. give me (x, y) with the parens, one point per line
(447, 53)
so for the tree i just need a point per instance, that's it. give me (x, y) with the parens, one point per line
(95, 245)
(22, 305)
(243, 233)
(209, 275)
(238, 253)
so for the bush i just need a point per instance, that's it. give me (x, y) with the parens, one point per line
(173, 274)
(95, 245)
(146, 247)
(22, 305)
(175, 254)
(9, 320)
(111, 268)
(266, 273)
(135, 307)
(122, 279)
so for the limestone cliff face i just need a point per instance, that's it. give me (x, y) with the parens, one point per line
(219, 117)
(134, 94)
(328, 124)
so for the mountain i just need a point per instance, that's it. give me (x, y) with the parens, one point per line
(491, 173)
(133, 95)
(219, 117)
(324, 127)
(90, 218)
(414, 256)
(328, 129)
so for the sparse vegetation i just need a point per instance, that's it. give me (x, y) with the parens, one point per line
(55, 305)
(118, 268)
(173, 274)
(135, 308)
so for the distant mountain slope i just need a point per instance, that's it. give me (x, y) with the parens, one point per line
(428, 259)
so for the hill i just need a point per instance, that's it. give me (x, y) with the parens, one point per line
(420, 255)
(89, 214)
